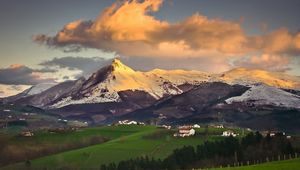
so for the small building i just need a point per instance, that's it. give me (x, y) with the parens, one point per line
(217, 126)
(185, 132)
(27, 134)
(162, 116)
(272, 133)
(228, 133)
(166, 127)
(196, 126)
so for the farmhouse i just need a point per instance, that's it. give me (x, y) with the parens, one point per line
(27, 134)
(166, 126)
(229, 133)
(196, 126)
(185, 132)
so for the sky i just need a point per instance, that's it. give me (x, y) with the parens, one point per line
(52, 41)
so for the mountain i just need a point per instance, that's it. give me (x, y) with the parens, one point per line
(36, 89)
(33, 90)
(252, 76)
(104, 85)
(196, 101)
(261, 94)
(47, 96)
(117, 91)
(216, 102)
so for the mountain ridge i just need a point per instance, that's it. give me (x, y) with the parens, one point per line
(103, 85)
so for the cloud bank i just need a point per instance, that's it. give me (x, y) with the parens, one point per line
(129, 29)
(18, 74)
(84, 64)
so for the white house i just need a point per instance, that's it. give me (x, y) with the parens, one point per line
(229, 133)
(166, 126)
(185, 132)
(27, 134)
(220, 126)
(196, 126)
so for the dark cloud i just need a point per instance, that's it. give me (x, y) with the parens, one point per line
(20, 74)
(86, 65)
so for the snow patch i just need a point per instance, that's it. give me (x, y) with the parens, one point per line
(267, 95)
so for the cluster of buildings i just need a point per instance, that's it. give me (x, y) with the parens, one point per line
(130, 122)
(274, 133)
(228, 133)
(185, 131)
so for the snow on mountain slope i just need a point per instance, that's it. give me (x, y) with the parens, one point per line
(245, 76)
(36, 89)
(179, 77)
(105, 84)
(266, 95)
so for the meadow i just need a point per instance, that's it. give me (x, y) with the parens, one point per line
(125, 142)
(122, 142)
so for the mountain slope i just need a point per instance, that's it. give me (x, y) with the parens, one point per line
(48, 96)
(116, 90)
(33, 90)
(194, 102)
(266, 95)
(207, 103)
(251, 76)
(104, 85)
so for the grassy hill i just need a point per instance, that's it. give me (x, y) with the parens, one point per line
(293, 164)
(141, 140)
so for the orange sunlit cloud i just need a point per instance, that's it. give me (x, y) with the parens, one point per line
(128, 29)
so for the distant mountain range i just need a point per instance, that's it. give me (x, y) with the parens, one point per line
(117, 92)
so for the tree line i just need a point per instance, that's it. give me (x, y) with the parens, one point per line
(231, 151)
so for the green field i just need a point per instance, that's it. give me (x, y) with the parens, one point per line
(127, 142)
(293, 164)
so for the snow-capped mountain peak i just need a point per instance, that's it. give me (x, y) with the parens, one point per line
(108, 82)
(118, 66)
(105, 84)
